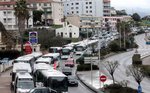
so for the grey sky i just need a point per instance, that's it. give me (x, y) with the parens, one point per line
(131, 6)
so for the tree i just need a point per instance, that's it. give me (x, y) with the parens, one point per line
(37, 14)
(137, 72)
(111, 67)
(136, 17)
(20, 12)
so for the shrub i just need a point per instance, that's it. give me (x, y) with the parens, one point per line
(11, 54)
(136, 59)
(114, 46)
(146, 69)
(86, 67)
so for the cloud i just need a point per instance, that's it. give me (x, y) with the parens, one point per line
(131, 6)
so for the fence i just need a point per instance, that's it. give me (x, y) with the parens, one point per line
(5, 66)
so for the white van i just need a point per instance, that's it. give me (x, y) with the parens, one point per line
(23, 82)
(19, 67)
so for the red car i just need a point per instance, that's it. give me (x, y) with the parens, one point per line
(70, 62)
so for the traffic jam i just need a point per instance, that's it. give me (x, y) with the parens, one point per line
(47, 73)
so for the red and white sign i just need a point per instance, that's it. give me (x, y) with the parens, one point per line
(55, 65)
(28, 48)
(103, 78)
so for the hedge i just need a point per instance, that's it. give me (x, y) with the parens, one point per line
(11, 54)
(86, 67)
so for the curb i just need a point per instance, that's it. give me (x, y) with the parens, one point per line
(88, 85)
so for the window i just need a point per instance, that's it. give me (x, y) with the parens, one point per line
(86, 11)
(86, 2)
(45, 4)
(77, 3)
(90, 2)
(90, 6)
(4, 13)
(77, 12)
(72, 12)
(71, 7)
(67, 4)
(77, 7)
(90, 11)
(86, 7)
(39, 4)
(74, 33)
(71, 3)
(4, 20)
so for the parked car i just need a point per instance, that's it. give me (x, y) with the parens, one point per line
(4, 60)
(42, 90)
(72, 81)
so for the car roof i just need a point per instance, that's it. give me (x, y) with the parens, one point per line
(24, 58)
(42, 66)
(24, 75)
(51, 54)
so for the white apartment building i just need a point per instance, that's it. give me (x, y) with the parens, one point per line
(85, 22)
(112, 21)
(53, 12)
(106, 9)
(8, 18)
(83, 7)
(68, 31)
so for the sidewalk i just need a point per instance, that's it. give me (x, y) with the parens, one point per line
(93, 81)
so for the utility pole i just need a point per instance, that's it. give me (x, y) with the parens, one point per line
(99, 57)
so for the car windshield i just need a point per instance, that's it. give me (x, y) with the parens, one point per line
(25, 84)
(71, 78)
(79, 48)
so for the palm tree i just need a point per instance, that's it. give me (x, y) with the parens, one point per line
(20, 12)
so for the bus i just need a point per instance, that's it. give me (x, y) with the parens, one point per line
(80, 49)
(53, 79)
(55, 57)
(67, 52)
(43, 60)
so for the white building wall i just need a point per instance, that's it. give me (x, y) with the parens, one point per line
(83, 7)
(10, 21)
(66, 30)
(57, 13)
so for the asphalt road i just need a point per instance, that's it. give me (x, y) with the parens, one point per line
(125, 59)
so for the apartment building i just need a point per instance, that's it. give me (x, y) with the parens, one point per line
(83, 7)
(106, 7)
(85, 22)
(7, 15)
(53, 12)
(112, 21)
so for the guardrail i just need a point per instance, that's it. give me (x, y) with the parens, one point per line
(5, 66)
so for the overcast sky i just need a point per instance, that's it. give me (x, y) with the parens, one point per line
(131, 6)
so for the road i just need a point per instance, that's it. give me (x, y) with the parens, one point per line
(125, 59)
(5, 80)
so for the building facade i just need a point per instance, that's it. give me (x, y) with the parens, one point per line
(112, 21)
(85, 22)
(53, 12)
(83, 7)
(68, 31)
(106, 7)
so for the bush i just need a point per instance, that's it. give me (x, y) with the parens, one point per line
(116, 88)
(146, 69)
(11, 54)
(80, 60)
(86, 67)
(136, 59)
(114, 46)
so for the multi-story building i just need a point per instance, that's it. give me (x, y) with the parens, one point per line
(106, 7)
(85, 22)
(83, 7)
(112, 21)
(53, 12)
(7, 15)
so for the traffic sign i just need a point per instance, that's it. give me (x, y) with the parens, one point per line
(103, 78)
(139, 89)
(33, 37)
(28, 48)
(88, 60)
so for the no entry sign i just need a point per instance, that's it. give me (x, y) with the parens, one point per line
(103, 78)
